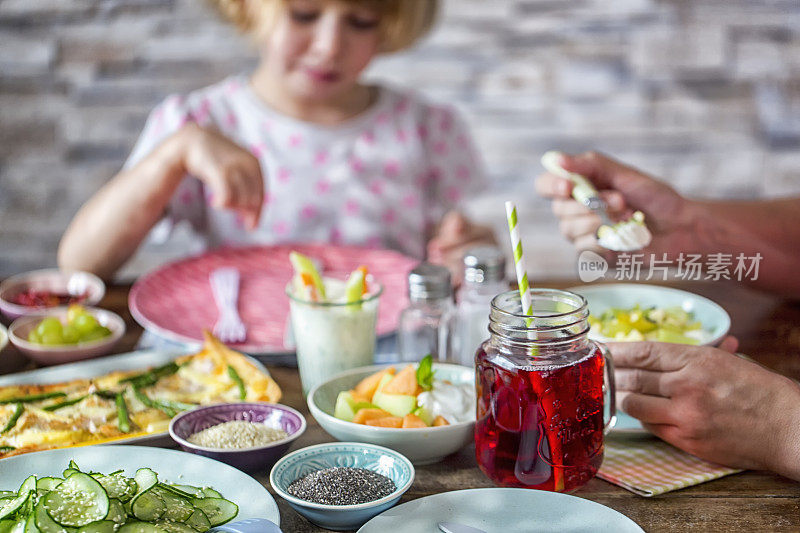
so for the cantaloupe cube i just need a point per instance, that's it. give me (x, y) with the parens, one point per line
(358, 397)
(386, 422)
(439, 421)
(405, 382)
(413, 421)
(366, 387)
(368, 413)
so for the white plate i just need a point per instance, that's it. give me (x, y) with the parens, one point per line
(253, 499)
(715, 320)
(98, 367)
(506, 510)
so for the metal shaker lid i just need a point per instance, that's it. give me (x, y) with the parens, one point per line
(484, 264)
(429, 282)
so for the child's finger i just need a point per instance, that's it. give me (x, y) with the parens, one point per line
(453, 224)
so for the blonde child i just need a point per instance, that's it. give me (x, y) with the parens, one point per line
(298, 151)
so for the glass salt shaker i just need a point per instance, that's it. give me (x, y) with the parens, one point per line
(484, 278)
(425, 326)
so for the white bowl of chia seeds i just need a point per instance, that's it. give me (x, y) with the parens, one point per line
(341, 485)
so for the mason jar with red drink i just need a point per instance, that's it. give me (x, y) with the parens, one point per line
(542, 389)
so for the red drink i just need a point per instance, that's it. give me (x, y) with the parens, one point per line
(540, 429)
(540, 395)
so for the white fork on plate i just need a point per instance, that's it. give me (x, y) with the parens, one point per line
(225, 288)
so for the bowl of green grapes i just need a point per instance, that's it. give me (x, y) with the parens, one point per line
(66, 334)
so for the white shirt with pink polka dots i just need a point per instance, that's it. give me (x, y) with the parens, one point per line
(382, 179)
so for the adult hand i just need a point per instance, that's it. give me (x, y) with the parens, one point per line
(711, 403)
(669, 216)
(232, 173)
(455, 235)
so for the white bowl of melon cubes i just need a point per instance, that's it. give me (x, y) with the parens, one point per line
(426, 411)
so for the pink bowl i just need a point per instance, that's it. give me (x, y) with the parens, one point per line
(65, 353)
(50, 279)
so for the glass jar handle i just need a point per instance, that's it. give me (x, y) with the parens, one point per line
(609, 388)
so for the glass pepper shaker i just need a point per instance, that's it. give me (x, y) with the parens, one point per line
(484, 278)
(425, 326)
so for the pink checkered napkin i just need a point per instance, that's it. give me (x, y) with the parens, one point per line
(649, 467)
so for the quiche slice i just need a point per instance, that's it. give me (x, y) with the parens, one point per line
(127, 404)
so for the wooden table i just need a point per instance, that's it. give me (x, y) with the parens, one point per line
(769, 330)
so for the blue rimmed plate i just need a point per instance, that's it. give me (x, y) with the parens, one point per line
(506, 510)
(253, 499)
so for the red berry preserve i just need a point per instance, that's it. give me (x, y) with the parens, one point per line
(540, 394)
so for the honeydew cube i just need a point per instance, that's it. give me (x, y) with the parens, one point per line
(397, 404)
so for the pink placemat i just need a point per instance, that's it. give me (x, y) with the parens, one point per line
(175, 301)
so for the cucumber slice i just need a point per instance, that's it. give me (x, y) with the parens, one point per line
(77, 501)
(148, 506)
(199, 521)
(304, 265)
(116, 512)
(48, 483)
(7, 525)
(73, 464)
(180, 493)
(44, 521)
(195, 492)
(178, 509)
(145, 479)
(217, 510)
(18, 526)
(30, 525)
(141, 527)
(68, 472)
(101, 526)
(175, 527)
(117, 486)
(208, 492)
(7, 494)
(15, 504)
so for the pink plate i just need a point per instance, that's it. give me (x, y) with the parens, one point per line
(175, 301)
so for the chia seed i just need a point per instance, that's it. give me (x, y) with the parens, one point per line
(341, 485)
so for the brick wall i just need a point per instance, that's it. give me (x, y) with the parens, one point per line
(704, 93)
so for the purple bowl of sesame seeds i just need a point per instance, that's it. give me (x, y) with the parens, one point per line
(236, 448)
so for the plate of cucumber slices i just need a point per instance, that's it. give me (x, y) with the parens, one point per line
(125, 489)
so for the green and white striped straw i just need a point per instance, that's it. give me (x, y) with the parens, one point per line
(519, 261)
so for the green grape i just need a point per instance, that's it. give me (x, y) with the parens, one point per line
(50, 325)
(34, 337)
(52, 337)
(70, 334)
(85, 323)
(74, 311)
(98, 333)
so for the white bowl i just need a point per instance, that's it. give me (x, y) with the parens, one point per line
(420, 445)
(65, 353)
(714, 319)
(50, 279)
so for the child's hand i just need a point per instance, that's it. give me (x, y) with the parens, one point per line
(457, 234)
(232, 173)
